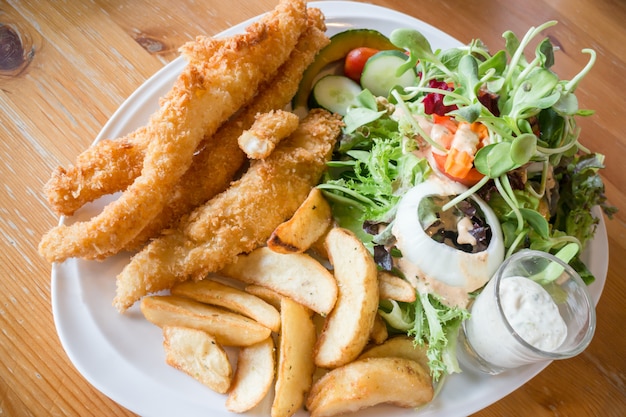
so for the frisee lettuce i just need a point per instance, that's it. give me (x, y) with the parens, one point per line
(580, 188)
(530, 116)
(373, 169)
(432, 324)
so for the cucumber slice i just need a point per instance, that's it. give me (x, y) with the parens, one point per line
(339, 46)
(379, 73)
(335, 93)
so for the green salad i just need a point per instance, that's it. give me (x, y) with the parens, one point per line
(481, 148)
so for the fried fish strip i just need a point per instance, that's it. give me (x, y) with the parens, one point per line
(268, 129)
(237, 220)
(112, 165)
(104, 168)
(229, 79)
(219, 158)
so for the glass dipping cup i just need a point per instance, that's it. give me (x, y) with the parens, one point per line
(487, 340)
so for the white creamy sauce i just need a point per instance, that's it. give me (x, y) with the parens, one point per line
(425, 124)
(463, 228)
(449, 295)
(438, 132)
(465, 140)
(435, 261)
(532, 314)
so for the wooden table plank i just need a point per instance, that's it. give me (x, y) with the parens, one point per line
(90, 56)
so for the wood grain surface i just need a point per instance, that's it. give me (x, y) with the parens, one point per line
(66, 66)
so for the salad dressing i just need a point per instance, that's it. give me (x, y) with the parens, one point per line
(465, 140)
(393, 156)
(463, 227)
(449, 295)
(438, 263)
(531, 313)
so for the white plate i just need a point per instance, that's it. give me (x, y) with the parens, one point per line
(122, 355)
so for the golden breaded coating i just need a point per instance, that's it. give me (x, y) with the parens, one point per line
(268, 129)
(105, 168)
(219, 158)
(110, 165)
(237, 220)
(238, 65)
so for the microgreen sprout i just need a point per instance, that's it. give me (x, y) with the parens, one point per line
(528, 90)
(531, 148)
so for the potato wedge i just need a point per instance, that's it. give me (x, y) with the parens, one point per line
(215, 293)
(266, 294)
(295, 365)
(399, 347)
(296, 275)
(318, 248)
(368, 382)
(228, 328)
(305, 227)
(253, 377)
(392, 287)
(347, 328)
(379, 333)
(198, 354)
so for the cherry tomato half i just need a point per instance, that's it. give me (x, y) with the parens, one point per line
(355, 61)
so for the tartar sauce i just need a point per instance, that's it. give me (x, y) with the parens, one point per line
(531, 313)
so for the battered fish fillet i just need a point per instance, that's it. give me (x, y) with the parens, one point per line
(104, 168)
(110, 166)
(205, 95)
(268, 129)
(238, 220)
(219, 158)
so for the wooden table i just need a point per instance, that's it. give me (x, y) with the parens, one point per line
(83, 59)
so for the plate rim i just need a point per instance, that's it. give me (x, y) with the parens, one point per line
(115, 126)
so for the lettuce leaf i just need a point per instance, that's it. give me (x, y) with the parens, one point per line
(580, 189)
(430, 323)
(372, 169)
